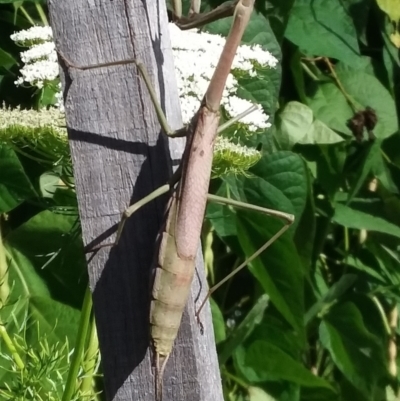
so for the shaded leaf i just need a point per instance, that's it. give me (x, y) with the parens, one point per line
(278, 269)
(356, 352)
(314, 24)
(366, 90)
(243, 330)
(266, 362)
(350, 217)
(15, 186)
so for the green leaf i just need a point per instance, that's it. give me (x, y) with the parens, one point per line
(48, 95)
(15, 186)
(7, 61)
(49, 182)
(286, 189)
(277, 331)
(53, 245)
(280, 184)
(313, 25)
(26, 281)
(306, 228)
(349, 216)
(264, 362)
(355, 351)
(54, 320)
(297, 125)
(391, 8)
(278, 269)
(365, 90)
(244, 329)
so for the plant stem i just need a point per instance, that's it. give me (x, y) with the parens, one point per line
(91, 356)
(4, 286)
(236, 379)
(11, 347)
(70, 385)
(42, 14)
(27, 16)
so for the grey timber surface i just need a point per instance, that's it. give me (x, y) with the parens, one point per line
(120, 155)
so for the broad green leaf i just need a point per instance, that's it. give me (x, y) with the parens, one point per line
(48, 95)
(55, 320)
(278, 269)
(280, 184)
(277, 331)
(359, 11)
(297, 125)
(306, 228)
(15, 186)
(294, 122)
(285, 174)
(356, 352)
(278, 13)
(321, 134)
(6, 59)
(52, 243)
(265, 362)
(23, 276)
(391, 8)
(244, 329)
(314, 25)
(49, 182)
(350, 217)
(365, 90)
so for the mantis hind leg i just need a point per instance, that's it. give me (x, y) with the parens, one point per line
(286, 217)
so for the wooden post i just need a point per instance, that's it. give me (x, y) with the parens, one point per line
(119, 156)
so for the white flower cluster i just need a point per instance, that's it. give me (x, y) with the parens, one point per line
(32, 118)
(196, 55)
(40, 60)
(36, 34)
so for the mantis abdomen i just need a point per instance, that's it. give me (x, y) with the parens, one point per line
(181, 235)
(172, 280)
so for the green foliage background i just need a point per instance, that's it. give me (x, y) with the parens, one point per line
(314, 318)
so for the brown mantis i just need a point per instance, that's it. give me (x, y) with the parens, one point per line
(180, 235)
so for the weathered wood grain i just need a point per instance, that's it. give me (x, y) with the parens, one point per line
(119, 156)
